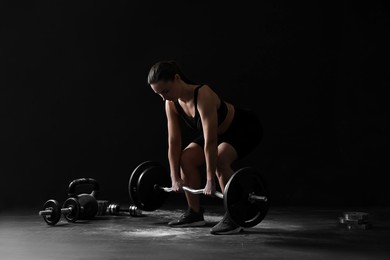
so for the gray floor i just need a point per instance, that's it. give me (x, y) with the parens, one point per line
(285, 233)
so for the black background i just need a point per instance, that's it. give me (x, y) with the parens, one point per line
(75, 102)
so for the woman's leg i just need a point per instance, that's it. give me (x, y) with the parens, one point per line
(192, 158)
(226, 156)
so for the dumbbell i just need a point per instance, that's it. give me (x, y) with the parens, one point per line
(52, 212)
(77, 206)
(246, 196)
(107, 208)
(115, 209)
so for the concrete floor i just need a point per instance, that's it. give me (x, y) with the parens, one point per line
(285, 233)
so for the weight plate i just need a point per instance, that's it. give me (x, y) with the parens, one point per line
(134, 211)
(55, 215)
(133, 181)
(74, 214)
(243, 211)
(150, 198)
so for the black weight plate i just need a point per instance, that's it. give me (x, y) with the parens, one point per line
(241, 210)
(73, 203)
(55, 215)
(150, 198)
(133, 181)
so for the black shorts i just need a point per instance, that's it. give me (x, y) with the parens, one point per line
(244, 133)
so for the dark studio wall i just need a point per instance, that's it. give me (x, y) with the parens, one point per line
(75, 103)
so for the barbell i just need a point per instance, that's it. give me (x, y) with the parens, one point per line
(245, 198)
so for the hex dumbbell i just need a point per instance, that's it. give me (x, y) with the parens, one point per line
(106, 208)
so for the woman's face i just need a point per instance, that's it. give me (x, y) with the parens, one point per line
(166, 89)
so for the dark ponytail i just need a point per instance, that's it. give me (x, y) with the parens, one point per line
(166, 71)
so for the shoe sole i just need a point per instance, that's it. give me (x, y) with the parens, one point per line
(193, 224)
(227, 232)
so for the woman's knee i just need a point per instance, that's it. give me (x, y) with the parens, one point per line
(191, 158)
(187, 160)
(227, 154)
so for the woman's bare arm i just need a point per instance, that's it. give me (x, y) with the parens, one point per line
(207, 107)
(174, 140)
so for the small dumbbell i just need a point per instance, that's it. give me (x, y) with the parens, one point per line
(107, 208)
(115, 209)
(52, 212)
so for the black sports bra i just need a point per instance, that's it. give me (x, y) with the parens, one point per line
(195, 122)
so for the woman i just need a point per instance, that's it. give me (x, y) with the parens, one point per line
(226, 133)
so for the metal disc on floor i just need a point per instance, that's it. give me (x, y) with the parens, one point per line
(243, 211)
(150, 198)
(133, 181)
(55, 215)
(74, 205)
(142, 185)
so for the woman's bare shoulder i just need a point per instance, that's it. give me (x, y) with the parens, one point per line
(207, 96)
(170, 106)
